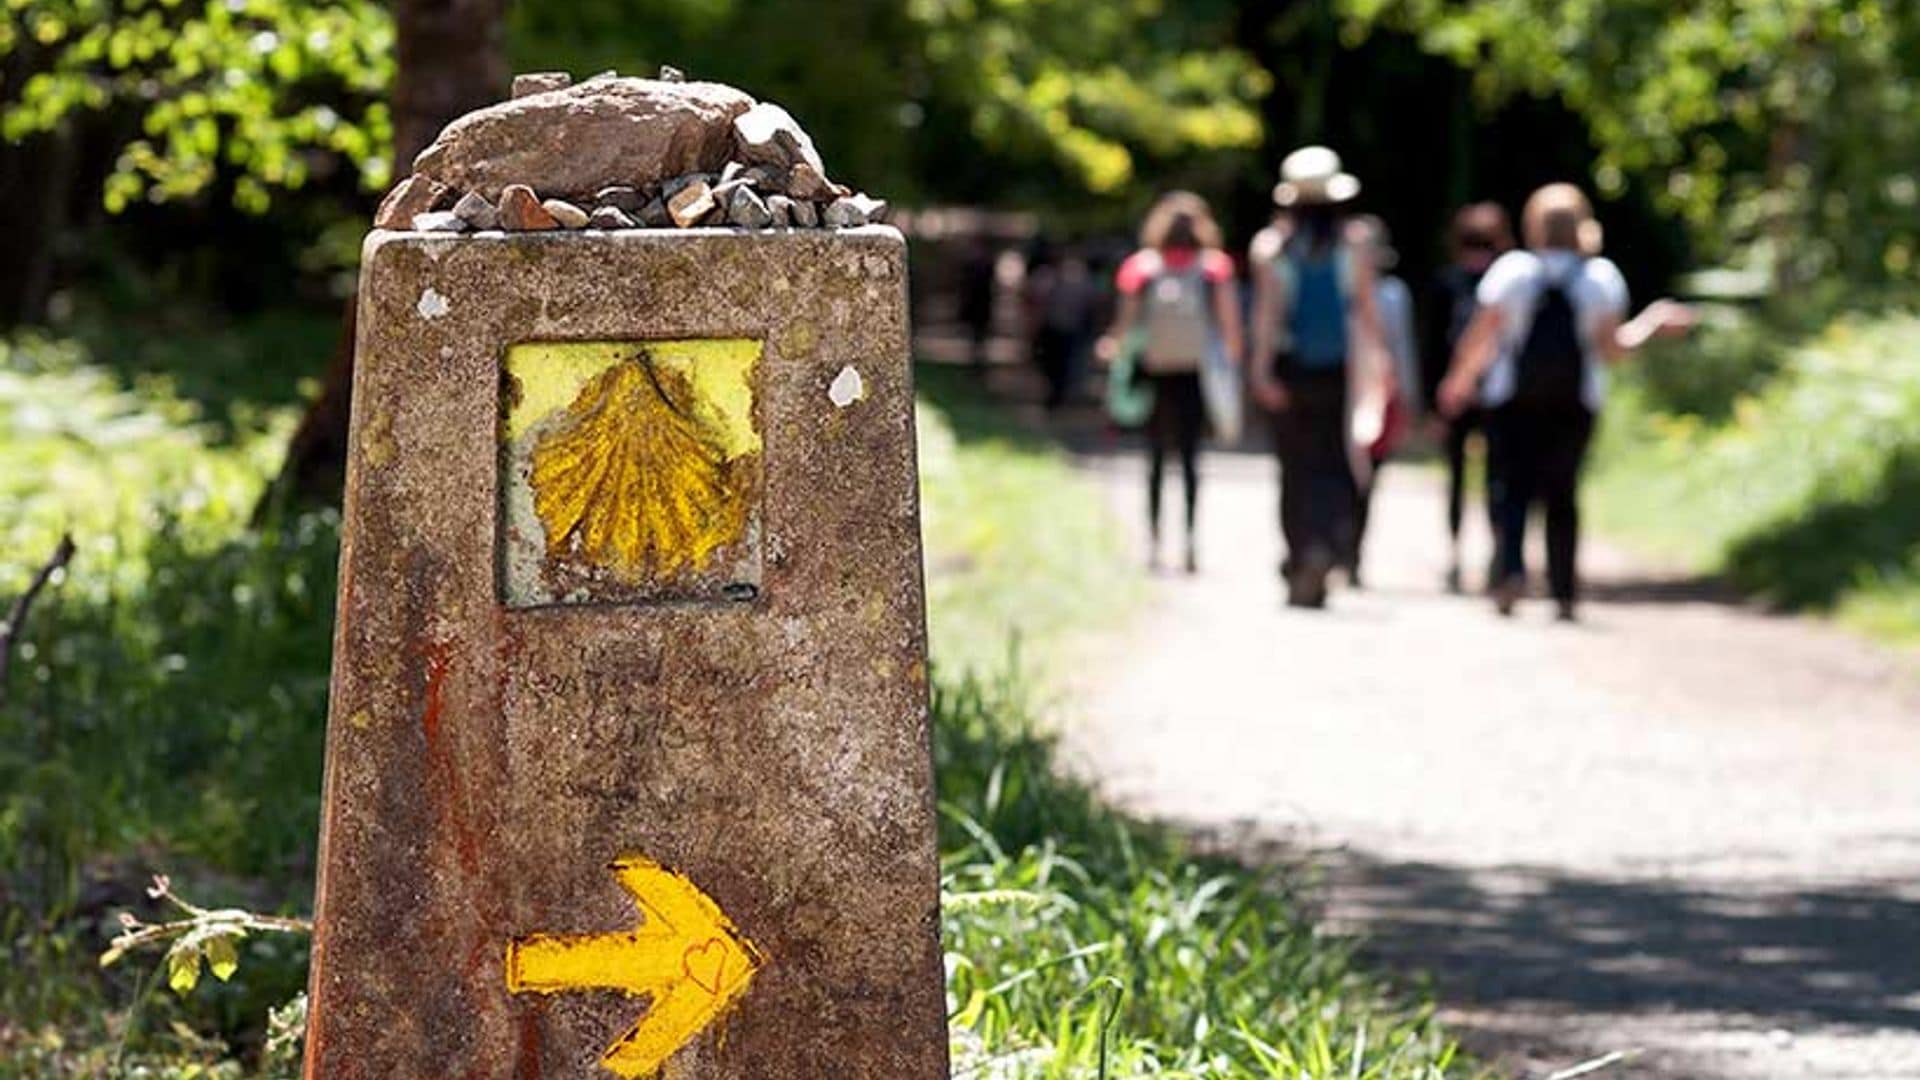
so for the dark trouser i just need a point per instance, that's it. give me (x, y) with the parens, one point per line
(1459, 430)
(1179, 415)
(1362, 513)
(1318, 496)
(1534, 455)
(1056, 353)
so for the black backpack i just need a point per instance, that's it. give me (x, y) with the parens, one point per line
(1551, 366)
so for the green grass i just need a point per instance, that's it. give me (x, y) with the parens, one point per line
(1020, 551)
(166, 713)
(1790, 464)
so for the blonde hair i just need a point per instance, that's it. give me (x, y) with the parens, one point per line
(1558, 217)
(1175, 207)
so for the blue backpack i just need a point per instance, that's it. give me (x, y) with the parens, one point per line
(1317, 288)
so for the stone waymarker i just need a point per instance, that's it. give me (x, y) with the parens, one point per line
(627, 768)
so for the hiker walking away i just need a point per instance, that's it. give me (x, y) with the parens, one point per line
(1549, 318)
(1177, 303)
(1373, 241)
(1317, 357)
(979, 272)
(1480, 234)
(1064, 298)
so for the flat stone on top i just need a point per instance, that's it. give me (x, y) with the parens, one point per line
(570, 142)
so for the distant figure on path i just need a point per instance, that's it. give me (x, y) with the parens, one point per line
(1312, 297)
(1177, 303)
(1064, 302)
(1550, 317)
(1481, 233)
(977, 282)
(1373, 242)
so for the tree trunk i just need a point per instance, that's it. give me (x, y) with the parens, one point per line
(450, 59)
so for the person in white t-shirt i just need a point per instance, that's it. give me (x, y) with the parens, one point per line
(1551, 318)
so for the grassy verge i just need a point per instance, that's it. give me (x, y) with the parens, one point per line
(166, 714)
(1081, 943)
(1790, 463)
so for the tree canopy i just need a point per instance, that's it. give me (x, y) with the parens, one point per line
(1781, 130)
(268, 90)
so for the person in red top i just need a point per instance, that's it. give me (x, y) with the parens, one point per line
(1177, 302)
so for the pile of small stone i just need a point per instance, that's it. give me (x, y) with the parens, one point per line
(623, 130)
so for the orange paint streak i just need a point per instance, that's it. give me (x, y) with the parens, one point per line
(526, 1064)
(437, 659)
(442, 773)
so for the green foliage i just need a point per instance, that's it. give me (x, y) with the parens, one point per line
(264, 91)
(997, 581)
(136, 708)
(1002, 101)
(1098, 84)
(1785, 129)
(1803, 487)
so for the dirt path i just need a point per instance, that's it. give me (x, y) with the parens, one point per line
(1681, 828)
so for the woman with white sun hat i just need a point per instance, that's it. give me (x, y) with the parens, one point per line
(1318, 363)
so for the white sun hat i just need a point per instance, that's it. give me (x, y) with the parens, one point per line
(1312, 174)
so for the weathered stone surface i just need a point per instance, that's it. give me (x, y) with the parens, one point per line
(476, 211)
(748, 210)
(571, 142)
(568, 215)
(669, 73)
(409, 198)
(805, 214)
(486, 763)
(539, 82)
(769, 135)
(807, 182)
(654, 214)
(610, 217)
(844, 213)
(520, 210)
(439, 221)
(620, 197)
(781, 209)
(691, 204)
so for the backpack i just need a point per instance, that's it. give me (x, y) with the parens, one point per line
(1174, 312)
(1317, 288)
(1550, 367)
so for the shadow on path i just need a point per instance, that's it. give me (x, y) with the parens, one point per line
(1790, 956)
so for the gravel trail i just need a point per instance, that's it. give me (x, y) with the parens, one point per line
(1682, 829)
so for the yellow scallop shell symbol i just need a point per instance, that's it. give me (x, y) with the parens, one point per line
(633, 478)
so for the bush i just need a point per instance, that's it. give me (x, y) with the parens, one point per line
(1804, 488)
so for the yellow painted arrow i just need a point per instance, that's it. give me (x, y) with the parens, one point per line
(685, 956)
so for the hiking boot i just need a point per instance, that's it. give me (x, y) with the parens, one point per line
(1454, 585)
(1193, 558)
(1565, 612)
(1507, 594)
(1307, 584)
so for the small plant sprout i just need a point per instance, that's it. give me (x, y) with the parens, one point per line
(206, 939)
